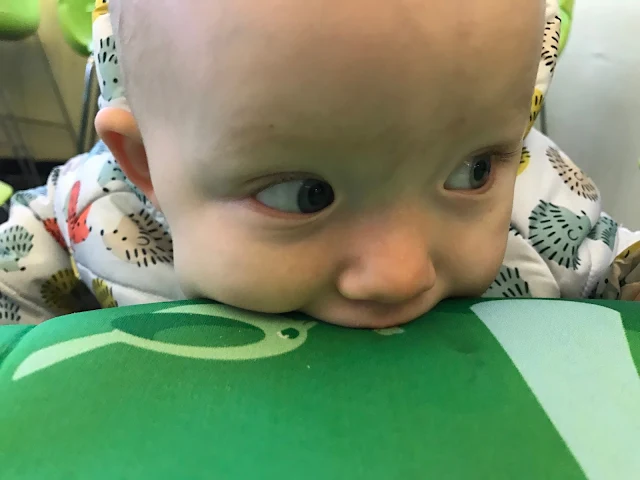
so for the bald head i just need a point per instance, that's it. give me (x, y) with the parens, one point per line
(196, 60)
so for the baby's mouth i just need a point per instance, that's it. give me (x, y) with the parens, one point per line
(379, 315)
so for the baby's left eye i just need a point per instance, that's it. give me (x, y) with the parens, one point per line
(306, 196)
(472, 174)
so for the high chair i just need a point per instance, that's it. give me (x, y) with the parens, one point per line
(19, 19)
(75, 21)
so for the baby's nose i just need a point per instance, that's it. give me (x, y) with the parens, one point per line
(393, 269)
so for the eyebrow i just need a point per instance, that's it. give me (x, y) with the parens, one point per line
(268, 148)
(243, 139)
(246, 143)
(249, 144)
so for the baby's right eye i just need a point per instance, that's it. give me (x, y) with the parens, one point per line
(305, 196)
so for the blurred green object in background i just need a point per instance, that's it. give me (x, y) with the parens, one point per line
(19, 19)
(566, 14)
(75, 20)
(5, 193)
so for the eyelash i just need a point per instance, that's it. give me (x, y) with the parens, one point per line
(501, 157)
(271, 181)
(506, 157)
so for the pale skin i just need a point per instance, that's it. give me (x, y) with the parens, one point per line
(355, 163)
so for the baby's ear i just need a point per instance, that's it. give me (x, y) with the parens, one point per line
(119, 131)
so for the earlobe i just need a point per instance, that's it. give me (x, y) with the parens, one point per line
(119, 131)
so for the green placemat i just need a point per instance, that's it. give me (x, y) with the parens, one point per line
(525, 389)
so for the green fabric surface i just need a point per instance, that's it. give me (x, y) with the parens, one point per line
(196, 390)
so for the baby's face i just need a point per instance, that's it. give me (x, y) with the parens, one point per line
(354, 163)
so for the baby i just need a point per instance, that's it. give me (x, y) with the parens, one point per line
(350, 161)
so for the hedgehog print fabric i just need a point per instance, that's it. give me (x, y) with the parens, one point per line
(106, 59)
(88, 239)
(561, 243)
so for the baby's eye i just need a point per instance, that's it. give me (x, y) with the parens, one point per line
(298, 196)
(472, 174)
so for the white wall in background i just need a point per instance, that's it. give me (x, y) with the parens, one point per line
(594, 105)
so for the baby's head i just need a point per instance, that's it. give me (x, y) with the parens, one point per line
(353, 162)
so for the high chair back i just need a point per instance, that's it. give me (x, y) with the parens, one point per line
(75, 21)
(19, 19)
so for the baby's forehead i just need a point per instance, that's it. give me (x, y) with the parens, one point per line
(198, 24)
(194, 27)
(194, 56)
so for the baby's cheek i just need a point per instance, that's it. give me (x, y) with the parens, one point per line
(245, 274)
(475, 270)
(475, 255)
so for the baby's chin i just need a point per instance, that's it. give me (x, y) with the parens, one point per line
(334, 308)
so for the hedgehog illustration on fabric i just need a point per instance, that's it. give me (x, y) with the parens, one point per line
(551, 44)
(139, 195)
(78, 229)
(612, 287)
(509, 284)
(34, 199)
(9, 311)
(98, 149)
(572, 176)
(103, 293)
(57, 291)
(24, 198)
(54, 176)
(77, 224)
(525, 160)
(108, 69)
(605, 230)
(28, 197)
(139, 239)
(556, 233)
(536, 107)
(52, 227)
(111, 172)
(15, 244)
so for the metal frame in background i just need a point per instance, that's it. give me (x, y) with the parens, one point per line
(544, 125)
(19, 149)
(10, 123)
(89, 103)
